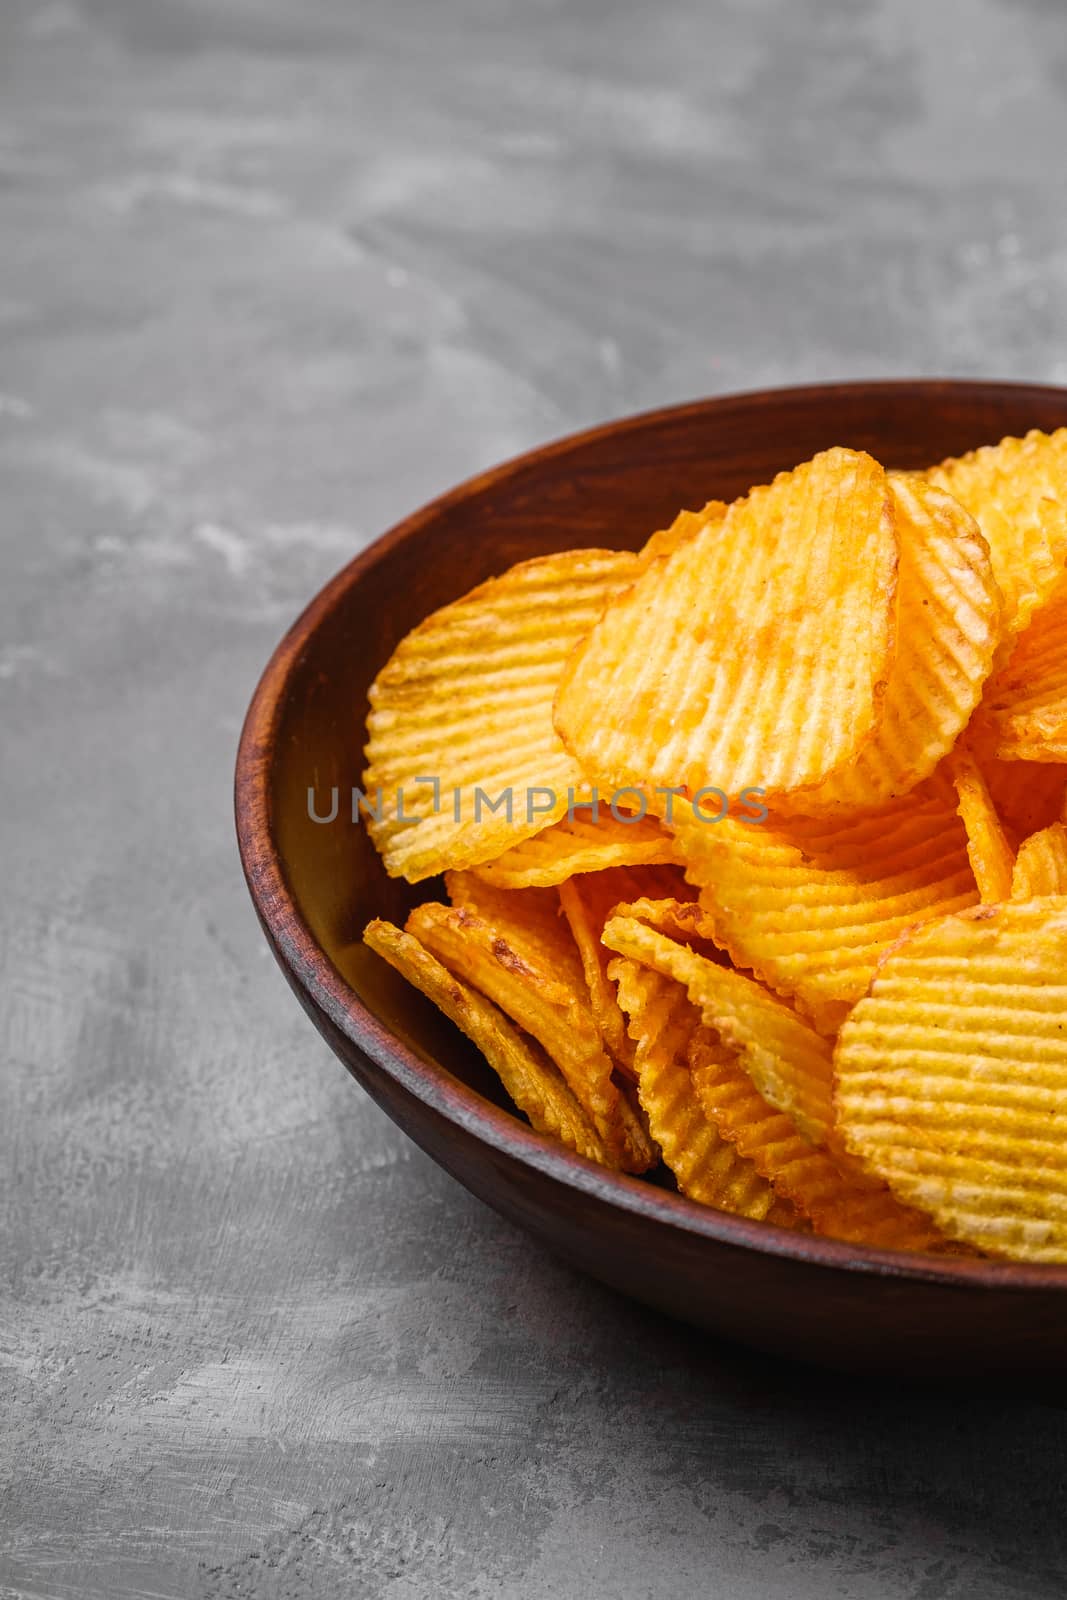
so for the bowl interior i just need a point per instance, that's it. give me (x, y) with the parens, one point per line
(611, 488)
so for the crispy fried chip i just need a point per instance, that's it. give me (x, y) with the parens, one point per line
(684, 527)
(991, 855)
(1025, 708)
(537, 1086)
(536, 977)
(841, 1200)
(789, 1062)
(587, 902)
(1041, 864)
(810, 904)
(714, 669)
(465, 704)
(951, 1077)
(580, 844)
(1017, 493)
(707, 1168)
(948, 629)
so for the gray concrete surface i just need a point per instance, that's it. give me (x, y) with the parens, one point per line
(271, 273)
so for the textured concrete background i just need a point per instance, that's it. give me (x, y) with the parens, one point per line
(271, 273)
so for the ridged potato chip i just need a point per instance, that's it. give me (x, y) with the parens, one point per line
(581, 844)
(1041, 864)
(991, 855)
(833, 1191)
(1017, 493)
(684, 527)
(534, 1083)
(587, 902)
(461, 715)
(951, 1077)
(947, 633)
(540, 985)
(1025, 709)
(707, 1168)
(789, 1062)
(713, 669)
(809, 904)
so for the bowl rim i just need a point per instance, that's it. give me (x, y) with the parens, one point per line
(323, 989)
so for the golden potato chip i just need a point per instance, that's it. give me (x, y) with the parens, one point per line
(706, 1167)
(948, 629)
(951, 1076)
(991, 855)
(580, 844)
(530, 919)
(547, 997)
(530, 1078)
(1041, 864)
(1025, 707)
(587, 901)
(1017, 493)
(810, 904)
(789, 1062)
(832, 1190)
(685, 525)
(714, 669)
(461, 716)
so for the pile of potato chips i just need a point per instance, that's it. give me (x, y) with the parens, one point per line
(755, 847)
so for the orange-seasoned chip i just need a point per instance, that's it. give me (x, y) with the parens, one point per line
(951, 1076)
(789, 1062)
(809, 904)
(581, 842)
(1024, 712)
(1041, 864)
(714, 668)
(831, 1189)
(461, 736)
(706, 1167)
(530, 968)
(535, 1084)
(991, 855)
(948, 630)
(587, 902)
(684, 527)
(1017, 493)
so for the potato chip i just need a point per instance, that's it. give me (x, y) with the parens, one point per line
(714, 670)
(832, 1190)
(707, 1168)
(789, 1062)
(581, 844)
(684, 527)
(535, 1084)
(461, 715)
(1025, 709)
(1041, 864)
(587, 902)
(810, 904)
(951, 1076)
(1017, 493)
(948, 629)
(547, 997)
(991, 855)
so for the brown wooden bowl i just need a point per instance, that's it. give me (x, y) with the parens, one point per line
(315, 885)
